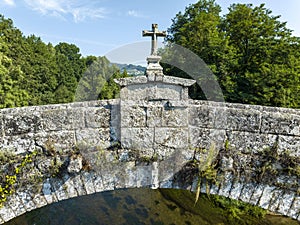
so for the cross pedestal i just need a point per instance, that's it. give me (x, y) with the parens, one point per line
(154, 70)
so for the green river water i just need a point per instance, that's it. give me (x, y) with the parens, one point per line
(143, 207)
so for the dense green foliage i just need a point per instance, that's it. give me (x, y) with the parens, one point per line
(253, 55)
(97, 81)
(35, 73)
(255, 58)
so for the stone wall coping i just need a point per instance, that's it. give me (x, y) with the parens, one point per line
(123, 82)
(191, 102)
(34, 109)
(160, 103)
(260, 108)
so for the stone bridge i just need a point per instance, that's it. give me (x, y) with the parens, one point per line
(154, 137)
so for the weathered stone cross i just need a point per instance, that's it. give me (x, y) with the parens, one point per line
(154, 33)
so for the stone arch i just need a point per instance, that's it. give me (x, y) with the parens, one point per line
(171, 173)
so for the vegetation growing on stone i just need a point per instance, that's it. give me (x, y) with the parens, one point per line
(11, 170)
(206, 169)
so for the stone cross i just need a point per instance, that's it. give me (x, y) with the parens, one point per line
(154, 33)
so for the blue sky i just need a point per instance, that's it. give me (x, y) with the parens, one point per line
(99, 26)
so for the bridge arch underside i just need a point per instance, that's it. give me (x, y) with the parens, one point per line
(93, 170)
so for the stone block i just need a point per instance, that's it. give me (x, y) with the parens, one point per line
(187, 154)
(242, 120)
(226, 184)
(294, 211)
(154, 115)
(6, 213)
(166, 184)
(137, 138)
(59, 119)
(59, 189)
(257, 194)
(166, 172)
(57, 140)
(75, 164)
(98, 183)
(48, 192)
(165, 91)
(144, 176)
(286, 202)
(16, 205)
(276, 198)
(19, 144)
(123, 82)
(174, 117)
(128, 175)
(214, 189)
(108, 179)
(266, 197)
(118, 175)
(247, 142)
(115, 123)
(163, 152)
(236, 190)
(201, 116)
(280, 123)
(134, 92)
(220, 117)
(98, 117)
(155, 175)
(290, 144)
(76, 118)
(39, 200)
(171, 137)
(19, 124)
(88, 182)
(178, 81)
(203, 138)
(185, 93)
(132, 115)
(68, 186)
(79, 185)
(247, 192)
(99, 137)
(27, 200)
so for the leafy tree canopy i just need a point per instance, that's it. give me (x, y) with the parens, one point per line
(35, 73)
(252, 53)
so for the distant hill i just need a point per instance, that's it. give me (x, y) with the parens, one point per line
(132, 70)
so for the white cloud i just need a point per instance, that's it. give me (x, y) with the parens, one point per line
(135, 13)
(9, 2)
(79, 10)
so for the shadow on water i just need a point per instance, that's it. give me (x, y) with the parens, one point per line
(138, 207)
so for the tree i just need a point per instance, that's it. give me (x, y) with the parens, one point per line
(49, 74)
(264, 50)
(11, 78)
(253, 55)
(70, 69)
(198, 29)
(111, 89)
(40, 68)
(97, 80)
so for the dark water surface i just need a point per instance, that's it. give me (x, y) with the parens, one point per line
(138, 207)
